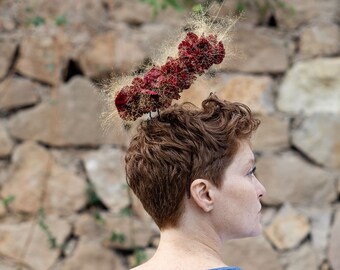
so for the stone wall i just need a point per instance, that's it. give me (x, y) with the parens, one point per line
(65, 204)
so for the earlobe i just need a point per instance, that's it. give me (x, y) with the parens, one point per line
(201, 192)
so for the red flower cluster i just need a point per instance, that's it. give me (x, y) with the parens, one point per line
(160, 85)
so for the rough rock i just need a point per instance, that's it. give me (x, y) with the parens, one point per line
(42, 57)
(311, 87)
(50, 186)
(16, 93)
(318, 136)
(122, 232)
(37, 254)
(85, 15)
(8, 265)
(288, 228)
(71, 117)
(110, 51)
(334, 246)
(65, 192)
(2, 209)
(132, 12)
(267, 215)
(325, 266)
(258, 52)
(302, 258)
(7, 51)
(30, 165)
(70, 247)
(272, 134)
(4, 164)
(138, 233)
(287, 178)
(105, 169)
(92, 255)
(6, 143)
(7, 22)
(229, 9)
(299, 12)
(320, 220)
(235, 252)
(254, 91)
(70, 159)
(200, 90)
(173, 18)
(320, 40)
(153, 33)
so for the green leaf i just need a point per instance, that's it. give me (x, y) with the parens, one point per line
(286, 7)
(98, 217)
(92, 196)
(174, 4)
(126, 212)
(240, 7)
(117, 237)
(198, 9)
(41, 213)
(51, 239)
(140, 255)
(38, 20)
(155, 6)
(61, 20)
(29, 9)
(8, 200)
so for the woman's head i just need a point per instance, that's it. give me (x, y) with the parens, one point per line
(183, 144)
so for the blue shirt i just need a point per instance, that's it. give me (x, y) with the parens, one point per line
(226, 268)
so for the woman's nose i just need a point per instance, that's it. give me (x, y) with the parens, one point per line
(261, 190)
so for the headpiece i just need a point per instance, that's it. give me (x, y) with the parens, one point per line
(161, 84)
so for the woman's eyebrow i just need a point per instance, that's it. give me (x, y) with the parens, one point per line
(250, 162)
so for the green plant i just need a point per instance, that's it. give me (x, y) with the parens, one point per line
(178, 5)
(263, 7)
(42, 224)
(126, 212)
(158, 5)
(91, 194)
(140, 256)
(99, 218)
(198, 8)
(240, 7)
(120, 237)
(29, 9)
(8, 200)
(61, 20)
(38, 20)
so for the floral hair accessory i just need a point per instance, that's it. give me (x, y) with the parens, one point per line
(160, 85)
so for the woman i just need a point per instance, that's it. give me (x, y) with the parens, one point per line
(193, 170)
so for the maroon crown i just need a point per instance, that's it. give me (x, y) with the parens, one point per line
(160, 85)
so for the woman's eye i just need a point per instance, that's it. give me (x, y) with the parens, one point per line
(252, 171)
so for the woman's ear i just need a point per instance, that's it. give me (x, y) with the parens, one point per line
(202, 193)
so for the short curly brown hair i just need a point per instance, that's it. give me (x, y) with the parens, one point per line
(182, 144)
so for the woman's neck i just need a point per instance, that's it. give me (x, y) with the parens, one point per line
(195, 246)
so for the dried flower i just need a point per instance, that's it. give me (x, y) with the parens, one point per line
(160, 85)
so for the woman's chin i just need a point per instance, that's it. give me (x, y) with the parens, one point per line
(256, 231)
